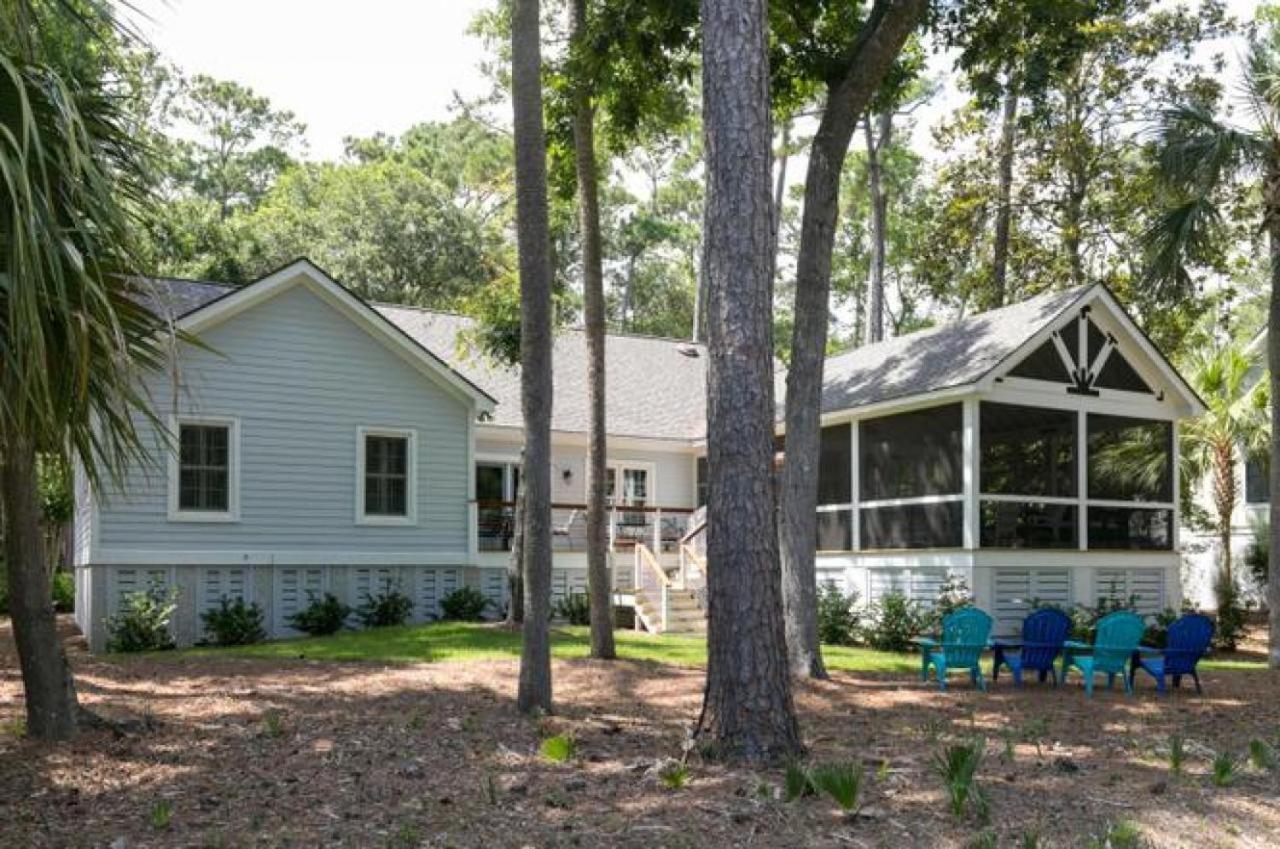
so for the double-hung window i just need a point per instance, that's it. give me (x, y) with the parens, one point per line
(385, 481)
(204, 470)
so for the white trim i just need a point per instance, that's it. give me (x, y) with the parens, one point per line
(1040, 393)
(651, 482)
(227, 557)
(232, 423)
(971, 457)
(411, 476)
(833, 508)
(918, 499)
(855, 483)
(1146, 505)
(514, 435)
(1028, 499)
(305, 273)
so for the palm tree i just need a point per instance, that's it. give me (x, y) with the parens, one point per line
(73, 332)
(534, 248)
(1200, 157)
(1233, 426)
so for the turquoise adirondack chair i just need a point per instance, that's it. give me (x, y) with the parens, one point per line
(1118, 636)
(965, 633)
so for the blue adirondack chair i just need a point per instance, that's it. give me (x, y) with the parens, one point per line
(1118, 636)
(1189, 639)
(964, 635)
(1043, 633)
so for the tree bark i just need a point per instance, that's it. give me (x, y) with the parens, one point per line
(1224, 500)
(1004, 192)
(747, 710)
(780, 188)
(876, 142)
(599, 586)
(879, 43)
(515, 558)
(46, 676)
(534, 247)
(1272, 195)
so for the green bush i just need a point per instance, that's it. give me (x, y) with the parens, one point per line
(896, 620)
(1157, 633)
(838, 618)
(143, 625)
(324, 615)
(389, 607)
(1258, 555)
(465, 604)
(1231, 612)
(64, 592)
(574, 608)
(234, 623)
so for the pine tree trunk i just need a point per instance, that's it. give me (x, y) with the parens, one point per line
(46, 676)
(748, 710)
(879, 43)
(780, 189)
(534, 245)
(515, 558)
(1272, 192)
(879, 226)
(599, 586)
(1004, 192)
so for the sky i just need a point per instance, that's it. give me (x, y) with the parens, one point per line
(356, 68)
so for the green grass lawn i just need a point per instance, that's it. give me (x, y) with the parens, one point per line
(451, 641)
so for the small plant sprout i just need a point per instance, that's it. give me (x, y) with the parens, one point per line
(842, 782)
(957, 766)
(797, 783)
(882, 771)
(1177, 753)
(1120, 835)
(674, 775)
(1224, 769)
(1030, 840)
(1261, 755)
(1035, 730)
(984, 840)
(1010, 737)
(272, 724)
(931, 729)
(161, 814)
(559, 749)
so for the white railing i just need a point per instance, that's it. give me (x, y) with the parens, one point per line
(653, 590)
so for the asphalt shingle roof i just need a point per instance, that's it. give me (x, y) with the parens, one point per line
(657, 387)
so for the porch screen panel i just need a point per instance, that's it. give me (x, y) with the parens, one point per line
(910, 455)
(935, 525)
(1257, 484)
(1018, 524)
(1130, 459)
(835, 467)
(1027, 450)
(835, 530)
(1130, 528)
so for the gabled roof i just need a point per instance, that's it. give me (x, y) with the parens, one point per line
(206, 307)
(654, 387)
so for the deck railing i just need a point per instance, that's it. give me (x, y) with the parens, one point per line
(660, 528)
(653, 588)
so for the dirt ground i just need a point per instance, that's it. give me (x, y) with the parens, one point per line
(231, 753)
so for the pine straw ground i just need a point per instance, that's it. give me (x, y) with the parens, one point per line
(220, 751)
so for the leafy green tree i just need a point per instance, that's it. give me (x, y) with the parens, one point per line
(73, 331)
(1204, 161)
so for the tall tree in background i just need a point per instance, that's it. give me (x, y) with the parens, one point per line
(1204, 162)
(878, 132)
(748, 710)
(851, 73)
(599, 586)
(533, 240)
(73, 334)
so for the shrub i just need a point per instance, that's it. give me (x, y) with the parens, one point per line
(234, 623)
(465, 604)
(1157, 633)
(1258, 554)
(674, 775)
(143, 625)
(325, 615)
(896, 621)
(797, 783)
(559, 749)
(389, 607)
(953, 595)
(957, 766)
(1262, 756)
(842, 782)
(574, 608)
(1121, 835)
(838, 618)
(1231, 612)
(1224, 769)
(64, 592)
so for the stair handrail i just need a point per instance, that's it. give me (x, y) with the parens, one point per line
(646, 562)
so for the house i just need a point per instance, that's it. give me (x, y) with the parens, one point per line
(320, 443)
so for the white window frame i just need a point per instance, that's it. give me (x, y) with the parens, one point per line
(232, 513)
(411, 476)
(619, 468)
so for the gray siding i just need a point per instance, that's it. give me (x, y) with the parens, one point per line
(301, 378)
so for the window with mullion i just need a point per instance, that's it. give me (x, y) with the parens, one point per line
(386, 479)
(204, 468)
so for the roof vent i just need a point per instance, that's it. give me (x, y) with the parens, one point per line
(689, 349)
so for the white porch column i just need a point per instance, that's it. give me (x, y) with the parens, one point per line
(853, 485)
(972, 458)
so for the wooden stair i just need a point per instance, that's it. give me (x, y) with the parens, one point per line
(684, 614)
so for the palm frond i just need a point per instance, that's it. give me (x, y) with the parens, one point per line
(1183, 235)
(1197, 152)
